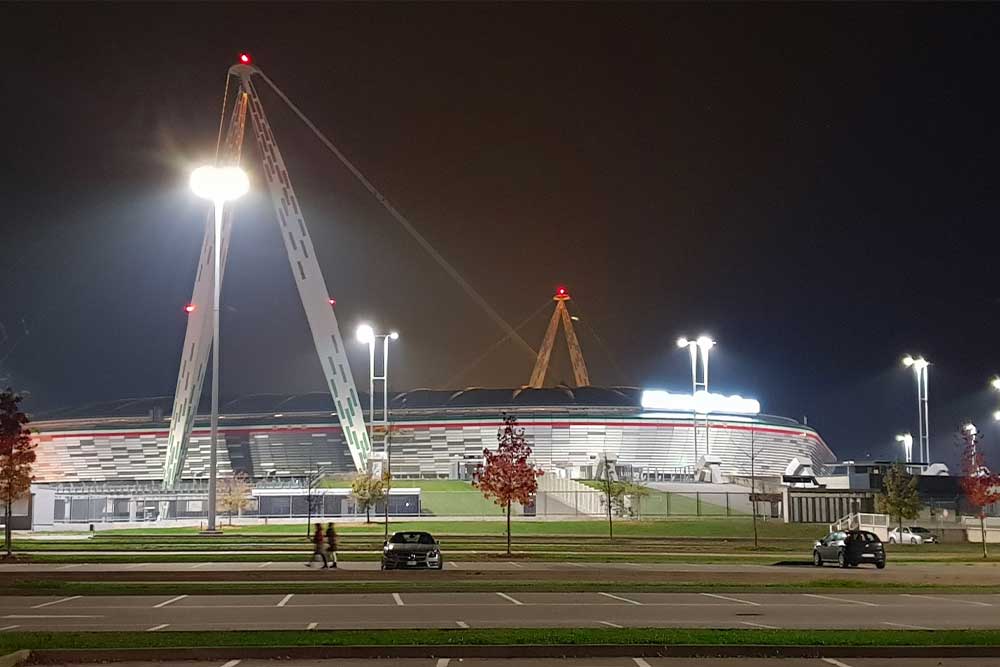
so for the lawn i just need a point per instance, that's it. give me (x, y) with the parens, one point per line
(706, 527)
(470, 637)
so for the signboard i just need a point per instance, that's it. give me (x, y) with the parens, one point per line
(700, 402)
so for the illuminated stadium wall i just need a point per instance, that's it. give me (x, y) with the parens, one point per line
(435, 435)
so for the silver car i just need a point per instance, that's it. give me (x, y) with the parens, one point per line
(411, 549)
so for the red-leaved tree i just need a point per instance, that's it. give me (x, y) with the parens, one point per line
(980, 486)
(506, 477)
(17, 453)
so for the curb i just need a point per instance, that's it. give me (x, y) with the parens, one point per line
(535, 651)
(14, 659)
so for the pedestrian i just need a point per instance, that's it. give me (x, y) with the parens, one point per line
(319, 546)
(331, 543)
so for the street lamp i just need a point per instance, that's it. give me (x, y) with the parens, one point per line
(702, 345)
(907, 441)
(366, 334)
(218, 185)
(919, 366)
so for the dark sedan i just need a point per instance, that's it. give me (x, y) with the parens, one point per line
(411, 549)
(849, 548)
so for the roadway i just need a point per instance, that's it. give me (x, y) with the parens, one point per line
(588, 662)
(500, 609)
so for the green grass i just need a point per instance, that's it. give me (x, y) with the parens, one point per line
(440, 497)
(721, 527)
(543, 636)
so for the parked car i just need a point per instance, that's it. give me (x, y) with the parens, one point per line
(849, 548)
(411, 548)
(927, 536)
(910, 535)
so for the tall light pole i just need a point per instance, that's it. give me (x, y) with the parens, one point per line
(366, 334)
(700, 345)
(919, 366)
(995, 383)
(218, 185)
(907, 441)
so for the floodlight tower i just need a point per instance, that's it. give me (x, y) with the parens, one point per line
(698, 347)
(309, 281)
(919, 366)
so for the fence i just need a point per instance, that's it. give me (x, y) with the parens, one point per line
(560, 503)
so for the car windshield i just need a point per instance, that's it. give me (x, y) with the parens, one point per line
(918, 529)
(411, 538)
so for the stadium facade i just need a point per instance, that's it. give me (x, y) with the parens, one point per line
(435, 434)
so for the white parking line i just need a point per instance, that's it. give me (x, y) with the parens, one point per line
(398, 599)
(443, 662)
(231, 663)
(759, 625)
(618, 597)
(170, 601)
(940, 599)
(639, 662)
(312, 626)
(9, 627)
(835, 663)
(263, 565)
(907, 626)
(157, 627)
(515, 564)
(610, 624)
(827, 597)
(507, 597)
(462, 624)
(67, 567)
(60, 600)
(285, 600)
(134, 567)
(453, 565)
(197, 565)
(723, 597)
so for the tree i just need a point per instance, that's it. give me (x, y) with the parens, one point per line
(980, 486)
(368, 490)
(899, 497)
(506, 476)
(234, 494)
(17, 453)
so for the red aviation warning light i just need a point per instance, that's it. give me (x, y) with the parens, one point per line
(245, 58)
(333, 302)
(189, 308)
(562, 294)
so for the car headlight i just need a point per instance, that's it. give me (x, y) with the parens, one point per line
(434, 554)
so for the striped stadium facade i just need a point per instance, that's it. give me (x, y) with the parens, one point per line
(435, 434)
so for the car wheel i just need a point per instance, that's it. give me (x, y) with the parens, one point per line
(913, 540)
(817, 559)
(842, 559)
(892, 540)
(880, 564)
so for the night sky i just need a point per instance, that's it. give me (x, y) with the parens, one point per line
(815, 186)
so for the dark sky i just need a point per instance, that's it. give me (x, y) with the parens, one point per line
(814, 185)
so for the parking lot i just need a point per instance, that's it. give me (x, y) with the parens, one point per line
(500, 609)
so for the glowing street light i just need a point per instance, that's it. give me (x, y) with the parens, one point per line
(919, 366)
(367, 335)
(702, 345)
(907, 441)
(218, 185)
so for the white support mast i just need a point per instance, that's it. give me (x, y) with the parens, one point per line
(308, 279)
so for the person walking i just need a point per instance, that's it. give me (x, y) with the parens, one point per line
(319, 546)
(331, 543)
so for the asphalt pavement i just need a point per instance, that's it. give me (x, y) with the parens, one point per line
(499, 609)
(590, 662)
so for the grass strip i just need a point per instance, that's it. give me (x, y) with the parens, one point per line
(479, 637)
(332, 586)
